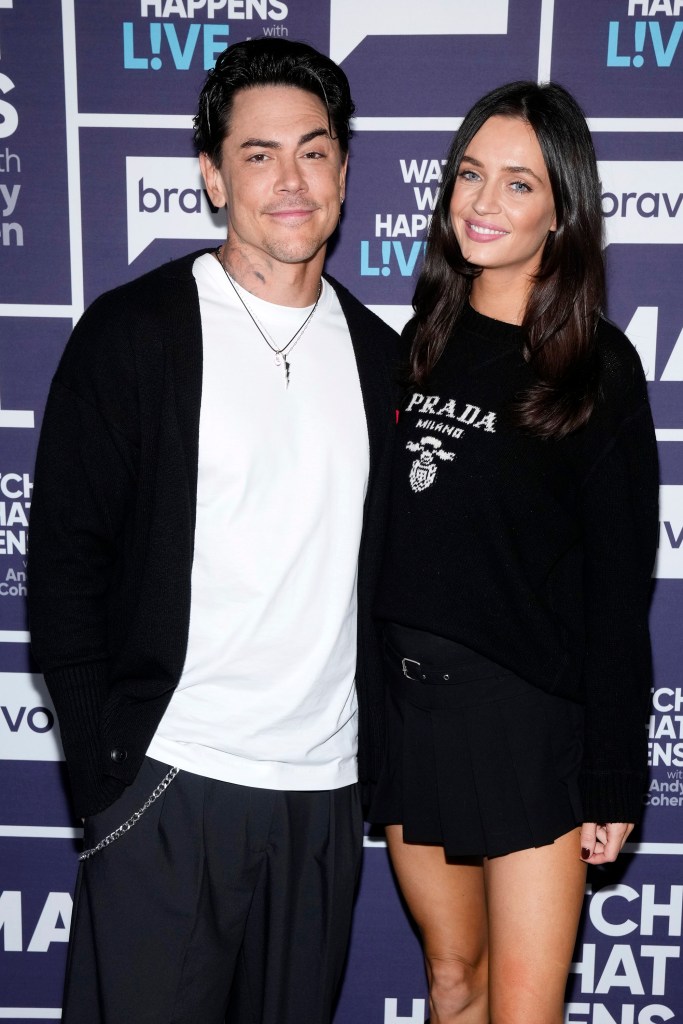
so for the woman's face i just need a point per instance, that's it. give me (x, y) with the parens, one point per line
(502, 204)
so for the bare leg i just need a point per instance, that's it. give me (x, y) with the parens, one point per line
(520, 911)
(448, 903)
(534, 900)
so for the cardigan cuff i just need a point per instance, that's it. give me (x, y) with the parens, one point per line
(78, 693)
(612, 796)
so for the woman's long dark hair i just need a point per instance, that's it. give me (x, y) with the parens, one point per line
(567, 293)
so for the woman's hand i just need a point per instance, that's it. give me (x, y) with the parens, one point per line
(601, 844)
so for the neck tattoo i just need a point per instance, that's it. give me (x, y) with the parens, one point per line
(281, 354)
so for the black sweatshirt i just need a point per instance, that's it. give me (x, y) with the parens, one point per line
(113, 514)
(536, 553)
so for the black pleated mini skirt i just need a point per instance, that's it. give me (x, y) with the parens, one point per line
(478, 760)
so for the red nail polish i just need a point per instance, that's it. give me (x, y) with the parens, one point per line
(585, 853)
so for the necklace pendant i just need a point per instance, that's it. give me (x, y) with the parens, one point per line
(279, 353)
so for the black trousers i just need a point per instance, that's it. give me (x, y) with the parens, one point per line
(222, 903)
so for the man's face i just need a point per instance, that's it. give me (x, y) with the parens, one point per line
(281, 177)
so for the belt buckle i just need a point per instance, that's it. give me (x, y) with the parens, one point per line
(415, 679)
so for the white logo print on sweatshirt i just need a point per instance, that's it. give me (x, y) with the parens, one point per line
(423, 469)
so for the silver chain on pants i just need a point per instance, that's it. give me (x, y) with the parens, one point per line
(134, 818)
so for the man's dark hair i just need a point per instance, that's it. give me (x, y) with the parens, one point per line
(269, 61)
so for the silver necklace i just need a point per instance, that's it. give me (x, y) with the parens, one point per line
(282, 353)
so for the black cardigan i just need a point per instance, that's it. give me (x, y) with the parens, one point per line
(113, 516)
(536, 553)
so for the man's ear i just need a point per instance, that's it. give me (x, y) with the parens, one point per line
(212, 180)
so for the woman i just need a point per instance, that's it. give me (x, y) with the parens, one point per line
(516, 582)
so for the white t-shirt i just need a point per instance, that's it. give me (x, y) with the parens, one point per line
(267, 695)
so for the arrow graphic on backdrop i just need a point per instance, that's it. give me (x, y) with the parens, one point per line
(352, 20)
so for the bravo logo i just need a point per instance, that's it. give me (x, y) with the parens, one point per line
(166, 199)
(28, 724)
(669, 564)
(653, 215)
(352, 20)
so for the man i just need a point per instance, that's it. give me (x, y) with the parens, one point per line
(211, 462)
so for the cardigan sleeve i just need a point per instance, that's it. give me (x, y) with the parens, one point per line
(618, 510)
(84, 478)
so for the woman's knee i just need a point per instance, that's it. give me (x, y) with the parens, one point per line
(455, 982)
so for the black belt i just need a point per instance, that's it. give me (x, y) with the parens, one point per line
(419, 670)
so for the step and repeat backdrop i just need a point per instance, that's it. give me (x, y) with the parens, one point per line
(99, 183)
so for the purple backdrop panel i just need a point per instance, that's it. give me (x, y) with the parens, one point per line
(392, 186)
(35, 793)
(34, 209)
(620, 59)
(151, 56)
(671, 461)
(385, 981)
(30, 348)
(646, 301)
(643, 206)
(16, 657)
(663, 821)
(627, 959)
(38, 877)
(640, 146)
(143, 204)
(463, 49)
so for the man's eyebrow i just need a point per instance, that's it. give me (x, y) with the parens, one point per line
(272, 144)
(259, 144)
(317, 133)
(512, 168)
